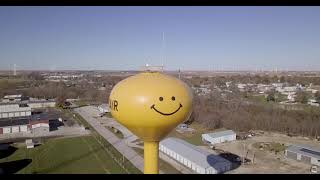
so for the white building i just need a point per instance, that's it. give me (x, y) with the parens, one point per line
(228, 84)
(304, 154)
(104, 108)
(12, 98)
(262, 88)
(313, 102)
(287, 90)
(313, 91)
(29, 143)
(8, 110)
(23, 108)
(14, 126)
(277, 85)
(219, 137)
(191, 156)
(241, 87)
(291, 97)
(41, 103)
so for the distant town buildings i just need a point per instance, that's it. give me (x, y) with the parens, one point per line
(202, 90)
(61, 77)
(16, 114)
(18, 103)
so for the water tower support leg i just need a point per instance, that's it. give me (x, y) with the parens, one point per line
(151, 157)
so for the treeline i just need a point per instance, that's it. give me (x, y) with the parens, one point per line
(234, 113)
(254, 79)
(86, 88)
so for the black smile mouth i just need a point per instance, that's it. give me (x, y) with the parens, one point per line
(166, 114)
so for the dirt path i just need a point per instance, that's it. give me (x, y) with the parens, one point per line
(266, 161)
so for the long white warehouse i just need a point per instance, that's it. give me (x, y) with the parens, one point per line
(198, 160)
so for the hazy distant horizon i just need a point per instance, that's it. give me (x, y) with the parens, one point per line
(174, 70)
(126, 38)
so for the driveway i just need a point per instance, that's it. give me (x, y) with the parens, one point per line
(89, 113)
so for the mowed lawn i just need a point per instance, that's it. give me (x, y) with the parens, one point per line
(66, 155)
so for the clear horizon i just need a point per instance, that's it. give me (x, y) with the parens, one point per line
(126, 38)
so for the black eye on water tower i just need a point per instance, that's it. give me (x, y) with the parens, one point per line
(173, 98)
(161, 98)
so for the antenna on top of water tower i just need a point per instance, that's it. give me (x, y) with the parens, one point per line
(163, 50)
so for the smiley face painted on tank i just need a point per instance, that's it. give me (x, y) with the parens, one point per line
(151, 104)
(171, 100)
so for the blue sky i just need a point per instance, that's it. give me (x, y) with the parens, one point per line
(199, 38)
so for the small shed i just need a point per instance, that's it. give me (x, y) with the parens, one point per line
(29, 143)
(104, 108)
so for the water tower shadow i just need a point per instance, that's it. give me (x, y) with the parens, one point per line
(224, 162)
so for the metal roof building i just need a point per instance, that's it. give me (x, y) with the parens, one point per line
(198, 160)
(14, 125)
(14, 110)
(24, 124)
(12, 98)
(304, 154)
(219, 137)
(33, 102)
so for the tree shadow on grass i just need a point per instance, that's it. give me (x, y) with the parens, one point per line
(14, 166)
(7, 151)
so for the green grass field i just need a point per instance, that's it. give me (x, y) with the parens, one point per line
(126, 163)
(66, 155)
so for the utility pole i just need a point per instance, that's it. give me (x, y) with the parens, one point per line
(244, 152)
(14, 69)
(254, 153)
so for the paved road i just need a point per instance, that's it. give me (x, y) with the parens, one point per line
(128, 136)
(89, 113)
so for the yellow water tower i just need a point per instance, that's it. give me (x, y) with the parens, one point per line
(151, 104)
